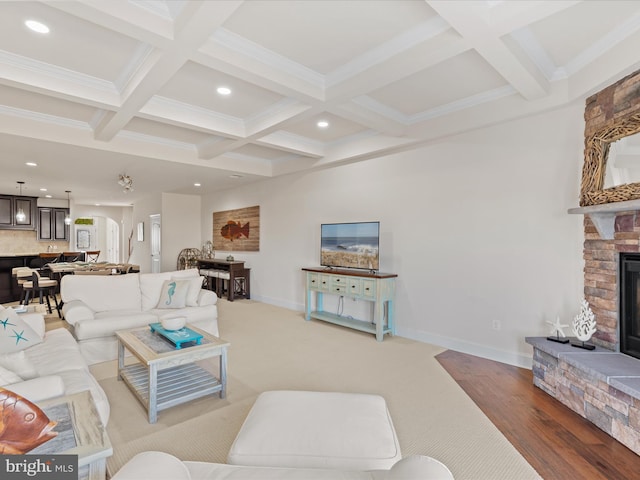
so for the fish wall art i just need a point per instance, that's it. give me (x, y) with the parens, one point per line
(237, 230)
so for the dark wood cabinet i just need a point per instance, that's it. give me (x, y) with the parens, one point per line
(51, 224)
(10, 205)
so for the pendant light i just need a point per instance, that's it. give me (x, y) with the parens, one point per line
(67, 218)
(20, 215)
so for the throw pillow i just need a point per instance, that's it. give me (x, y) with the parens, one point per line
(15, 333)
(195, 285)
(19, 364)
(173, 294)
(7, 377)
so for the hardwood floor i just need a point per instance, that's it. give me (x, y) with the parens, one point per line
(556, 441)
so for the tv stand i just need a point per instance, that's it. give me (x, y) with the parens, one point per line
(375, 287)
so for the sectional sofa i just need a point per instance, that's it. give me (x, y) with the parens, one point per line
(39, 365)
(96, 306)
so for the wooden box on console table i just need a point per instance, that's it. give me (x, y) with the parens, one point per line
(379, 288)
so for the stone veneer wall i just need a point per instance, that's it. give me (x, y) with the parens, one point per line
(601, 273)
(583, 388)
(587, 391)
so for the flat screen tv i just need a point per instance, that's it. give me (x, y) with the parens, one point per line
(350, 245)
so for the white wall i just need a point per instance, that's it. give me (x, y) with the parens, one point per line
(181, 227)
(476, 228)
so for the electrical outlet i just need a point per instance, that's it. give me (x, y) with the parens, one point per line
(496, 324)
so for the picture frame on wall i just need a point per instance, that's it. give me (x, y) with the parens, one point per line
(237, 230)
(141, 231)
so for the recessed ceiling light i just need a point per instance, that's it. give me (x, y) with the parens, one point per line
(223, 90)
(197, 184)
(323, 124)
(31, 164)
(97, 204)
(235, 175)
(47, 196)
(36, 26)
(43, 189)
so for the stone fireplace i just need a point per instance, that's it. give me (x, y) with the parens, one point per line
(602, 385)
(601, 274)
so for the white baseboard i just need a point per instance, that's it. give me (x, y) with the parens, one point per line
(279, 303)
(458, 345)
(469, 348)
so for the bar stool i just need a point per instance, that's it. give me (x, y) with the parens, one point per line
(92, 255)
(22, 275)
(72, 256)
(223, 276)
(210, 275)
(241, 285)
(44, 258)
(44, 287)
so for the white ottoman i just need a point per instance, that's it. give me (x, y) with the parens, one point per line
(344, 431)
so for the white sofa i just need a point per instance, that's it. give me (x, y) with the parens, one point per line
(49, 366)
(96, 306)
(154, 465)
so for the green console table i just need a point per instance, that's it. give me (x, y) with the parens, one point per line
(379, 288)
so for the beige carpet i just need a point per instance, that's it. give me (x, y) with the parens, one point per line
(274, 348)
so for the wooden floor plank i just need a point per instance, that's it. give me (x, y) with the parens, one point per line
(557, 442)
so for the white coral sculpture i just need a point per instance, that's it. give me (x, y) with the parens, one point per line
(584, 324)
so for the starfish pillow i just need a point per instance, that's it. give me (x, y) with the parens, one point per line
(15, 333)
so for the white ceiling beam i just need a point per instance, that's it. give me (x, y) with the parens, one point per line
(212, 149)
(505, 17)
(196, 23)
(292, 143)
(172, 112)
(123, 17)
(466, 17)
(267, 123)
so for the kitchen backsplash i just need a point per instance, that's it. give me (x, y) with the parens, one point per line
(23, 242)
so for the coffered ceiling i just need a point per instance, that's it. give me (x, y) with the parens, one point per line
(130, 87)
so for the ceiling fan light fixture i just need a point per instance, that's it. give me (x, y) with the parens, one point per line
(126, 182)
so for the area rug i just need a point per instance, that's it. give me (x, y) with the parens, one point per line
(274, 348)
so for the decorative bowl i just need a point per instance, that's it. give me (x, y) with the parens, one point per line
(173, 323)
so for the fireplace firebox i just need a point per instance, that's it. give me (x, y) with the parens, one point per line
(629, 323)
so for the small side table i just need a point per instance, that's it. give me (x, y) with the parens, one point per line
(92, 444)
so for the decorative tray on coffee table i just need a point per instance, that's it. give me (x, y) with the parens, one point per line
(177, 337)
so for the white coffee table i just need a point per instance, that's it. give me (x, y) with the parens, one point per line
(166, 376)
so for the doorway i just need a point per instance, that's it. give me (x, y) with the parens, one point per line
(154, 220)
(102, 233)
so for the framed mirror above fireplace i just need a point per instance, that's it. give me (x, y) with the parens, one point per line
(610, 115)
